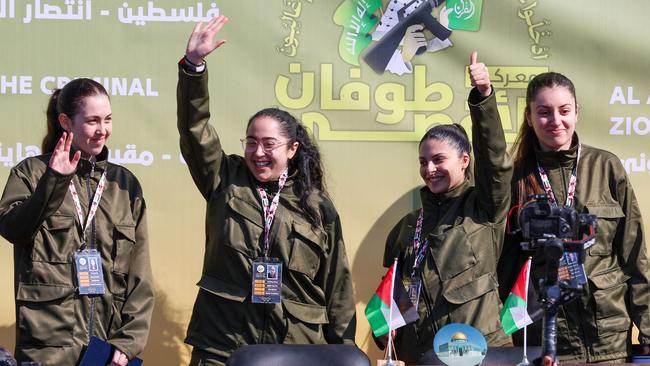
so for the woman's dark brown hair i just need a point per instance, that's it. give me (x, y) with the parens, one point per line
(67, 100)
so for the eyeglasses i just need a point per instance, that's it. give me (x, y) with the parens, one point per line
(250, 144)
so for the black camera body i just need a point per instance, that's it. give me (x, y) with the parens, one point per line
(558, 236)
(540, 221)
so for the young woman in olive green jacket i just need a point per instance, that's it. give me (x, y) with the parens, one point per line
(597, 326)
(280, 169)
(49, 224)
(453, 243)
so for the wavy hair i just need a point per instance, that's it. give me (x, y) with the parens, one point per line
(306, 161)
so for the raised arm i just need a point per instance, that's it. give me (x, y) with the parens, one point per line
(199, 141)
(492, 165)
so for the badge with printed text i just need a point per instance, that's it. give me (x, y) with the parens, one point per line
(90, 278)
(267, 281)
(413, 285)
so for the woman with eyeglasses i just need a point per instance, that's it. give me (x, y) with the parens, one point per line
(275, 268)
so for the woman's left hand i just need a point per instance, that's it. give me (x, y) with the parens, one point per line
(479, 75)
(201, 42)
(119, 359)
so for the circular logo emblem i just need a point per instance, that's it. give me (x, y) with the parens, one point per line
(460, 345)
(82, 261)
(260, 268)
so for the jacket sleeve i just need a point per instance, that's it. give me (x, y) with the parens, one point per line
(24, 208)
(633, 257)
(131, 336)
(339, 293)
(493, 165)
(199, 141)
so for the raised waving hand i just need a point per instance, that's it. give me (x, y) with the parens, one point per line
(60, 159)
(201, 42)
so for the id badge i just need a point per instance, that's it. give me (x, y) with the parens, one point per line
(90, 278)
(571, 269)
(413, 285)
(267, 281)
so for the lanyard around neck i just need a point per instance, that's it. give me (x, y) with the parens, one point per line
(571, 190)
(92, 210)
(419, 248)
(270, 209)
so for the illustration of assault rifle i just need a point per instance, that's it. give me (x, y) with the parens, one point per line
(379, 54)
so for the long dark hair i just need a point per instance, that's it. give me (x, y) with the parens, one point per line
(307, 160)
(524, 177)
(453, 134)
(67, 100)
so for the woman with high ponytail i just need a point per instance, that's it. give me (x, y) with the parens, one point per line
(275, 268)
(447, 251)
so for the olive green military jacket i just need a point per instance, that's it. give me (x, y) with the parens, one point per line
(317, 296)
(597, 326)
(38, 216)
(465, 229)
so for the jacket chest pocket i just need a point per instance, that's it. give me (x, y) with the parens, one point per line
(609, 216)
(475, 302)
(243, 227)
(59, 240)
(306, 250)
(124, 240)
(452, 252)
(123, 244)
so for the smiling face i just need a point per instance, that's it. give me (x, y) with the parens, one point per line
(441, 166)
(91, 125)
(266, 150)
(553, 115)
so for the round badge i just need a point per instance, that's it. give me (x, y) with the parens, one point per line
(82, 261)
(260, 268)
(460, 345)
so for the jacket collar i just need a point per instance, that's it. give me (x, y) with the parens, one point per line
(272, 187)
(432, 200)
(557, 159)
(85, 165)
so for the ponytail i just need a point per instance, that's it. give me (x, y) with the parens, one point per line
(54, 129)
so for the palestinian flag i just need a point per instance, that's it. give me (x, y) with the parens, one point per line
(380, 305)
(514, 315)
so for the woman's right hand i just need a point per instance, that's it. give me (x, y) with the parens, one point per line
(479, 75)
(201, 41)
(60, 159)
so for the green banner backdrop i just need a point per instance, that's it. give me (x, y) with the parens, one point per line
(308, 56)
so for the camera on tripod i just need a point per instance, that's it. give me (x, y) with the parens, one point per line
(558, 233)
(559, 237)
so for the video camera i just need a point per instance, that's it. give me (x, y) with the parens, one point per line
(559, 237)
(541, 221)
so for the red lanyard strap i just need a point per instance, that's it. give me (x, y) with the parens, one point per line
(571, 190)
(270, 209)
(419, 249)
(92, 210)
